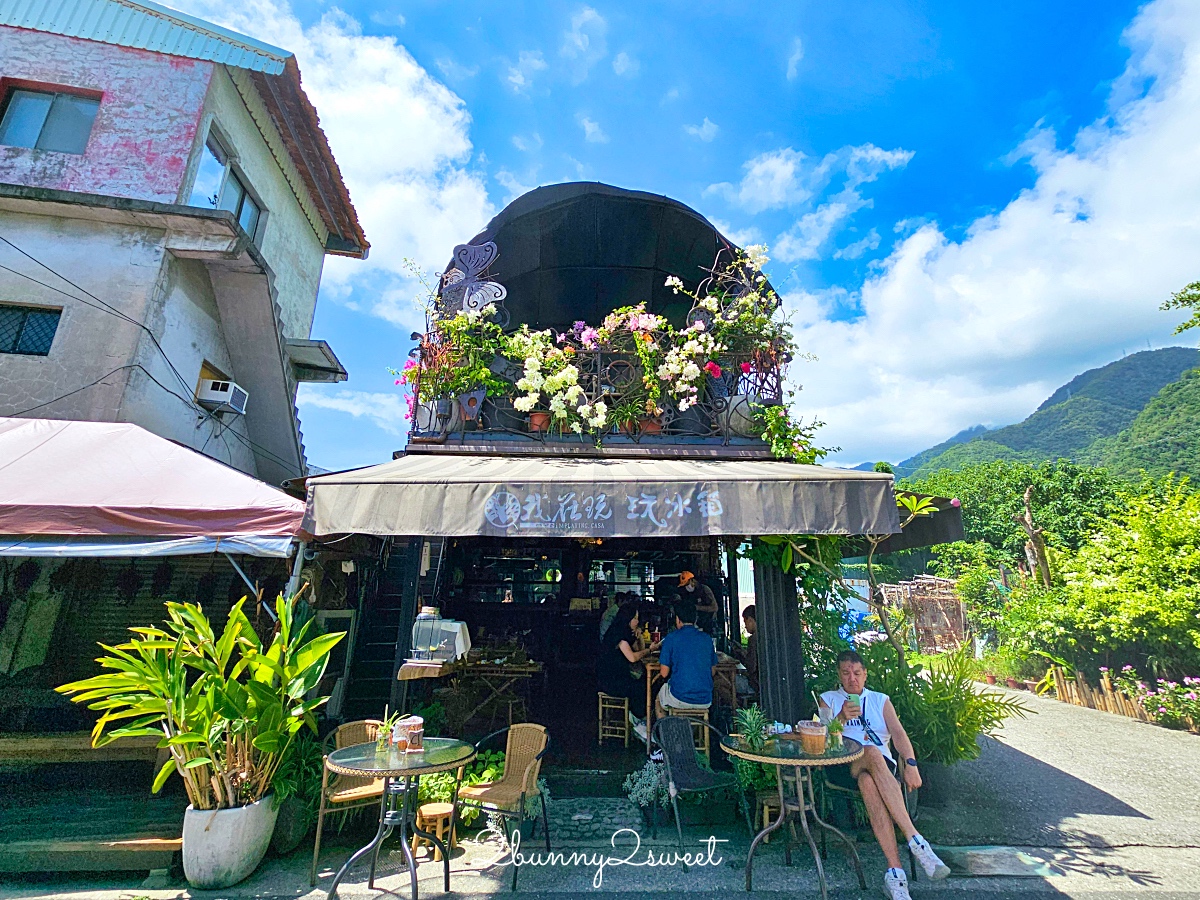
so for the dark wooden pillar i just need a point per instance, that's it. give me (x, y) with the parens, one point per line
(780, 658)
(403, 573)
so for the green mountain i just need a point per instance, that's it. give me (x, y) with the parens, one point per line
(1164, 438)
(1082, 418)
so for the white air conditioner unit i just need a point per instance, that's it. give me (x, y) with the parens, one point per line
(222, 396)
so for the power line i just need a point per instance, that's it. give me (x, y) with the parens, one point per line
(112, 310)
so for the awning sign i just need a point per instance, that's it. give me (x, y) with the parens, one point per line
(669, 511)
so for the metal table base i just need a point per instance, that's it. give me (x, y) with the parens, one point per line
(789, 811)
(397, 810)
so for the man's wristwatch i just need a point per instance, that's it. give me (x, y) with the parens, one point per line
(911, 762)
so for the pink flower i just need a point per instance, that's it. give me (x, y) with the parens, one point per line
(712, 369)
(399, 381)
(956, 502)
(1162, 709)
(745, 368)
(590, 338)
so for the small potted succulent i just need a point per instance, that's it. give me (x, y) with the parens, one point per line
(647, 788)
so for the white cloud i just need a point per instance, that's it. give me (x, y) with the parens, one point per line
(385, 411)
(520, 76)
(389, 20)
(705, 131)
(514, 185)
(585, 43)
(794, 58)
(741, 236)
(858, 248)
(806, 239)
(1067, 276)
(455, 71)
(592, 131)
(526, 144)
(772, 180)
(669, 97)
(625, 65)
(407, 168)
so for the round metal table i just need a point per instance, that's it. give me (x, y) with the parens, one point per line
(401, 773)
(784, 754)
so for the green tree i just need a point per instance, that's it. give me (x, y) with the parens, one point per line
(1187, 299)
(1130, 595)
(1068, 501)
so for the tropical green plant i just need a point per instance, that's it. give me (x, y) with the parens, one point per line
(299, 775)
(940, 707)
(790, 439)
(227, 707)
(488, 766)
(751, 723)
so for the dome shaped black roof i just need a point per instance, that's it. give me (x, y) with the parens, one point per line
(579, 250)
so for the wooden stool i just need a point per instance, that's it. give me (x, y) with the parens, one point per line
(699, 732)
(614, 718)
(435, 818)
(766, 802)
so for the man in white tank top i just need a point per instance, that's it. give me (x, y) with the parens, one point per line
(869, 718)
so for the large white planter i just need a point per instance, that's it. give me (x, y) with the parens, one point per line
(222, 847)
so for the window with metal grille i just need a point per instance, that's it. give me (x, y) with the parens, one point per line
(28, 330)
(44, 120)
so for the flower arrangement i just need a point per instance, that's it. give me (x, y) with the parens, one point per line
(624, 372)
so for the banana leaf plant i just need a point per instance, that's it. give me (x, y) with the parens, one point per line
(227, 707)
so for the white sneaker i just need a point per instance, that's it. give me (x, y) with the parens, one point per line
(895, 885)
(935, 869)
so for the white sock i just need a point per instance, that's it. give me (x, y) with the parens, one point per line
(898, 873)
(916, 841)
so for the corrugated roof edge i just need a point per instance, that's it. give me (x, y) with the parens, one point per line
(97, 20)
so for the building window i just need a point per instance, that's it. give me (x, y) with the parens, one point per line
(218, 186)
(28, 330)
(43, 120)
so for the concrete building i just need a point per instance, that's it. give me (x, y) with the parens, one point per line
(167, 199)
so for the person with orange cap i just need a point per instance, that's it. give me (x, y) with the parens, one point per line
(691, 588)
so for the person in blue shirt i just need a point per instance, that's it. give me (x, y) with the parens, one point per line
(687, 661)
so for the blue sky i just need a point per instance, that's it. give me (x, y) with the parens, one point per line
(948, 188)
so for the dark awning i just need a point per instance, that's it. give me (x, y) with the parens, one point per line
(457, 495)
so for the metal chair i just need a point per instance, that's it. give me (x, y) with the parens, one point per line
(346, 792)
(850, 794)
(526, 746)
(684, 774)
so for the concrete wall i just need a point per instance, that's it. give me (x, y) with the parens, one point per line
(288, 238)
(129, 268)
(144, 131)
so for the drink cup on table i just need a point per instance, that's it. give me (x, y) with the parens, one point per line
(813, 737)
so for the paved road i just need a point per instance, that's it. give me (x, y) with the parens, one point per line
(1075, 777)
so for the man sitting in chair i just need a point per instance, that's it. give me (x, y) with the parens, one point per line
(688, 660)
(869, 718)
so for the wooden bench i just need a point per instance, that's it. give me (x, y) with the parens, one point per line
(75, 746)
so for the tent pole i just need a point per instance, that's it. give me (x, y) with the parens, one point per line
(250, 584)
(293, 584)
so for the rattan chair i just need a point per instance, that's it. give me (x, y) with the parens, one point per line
(685, 775)
(346, 792)
(527, 744)
(849, 795)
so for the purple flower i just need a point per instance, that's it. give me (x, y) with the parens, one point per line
(956, 502)
(1126, 668)
(579, 326)
(1162, 709)
(1104, 668)
(1191, 695)
(589, 337)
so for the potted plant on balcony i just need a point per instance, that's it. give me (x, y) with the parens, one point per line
(227, 708)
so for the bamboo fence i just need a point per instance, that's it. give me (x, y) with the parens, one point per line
(1105, 698)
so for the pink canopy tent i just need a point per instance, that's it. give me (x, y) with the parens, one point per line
(113, 489)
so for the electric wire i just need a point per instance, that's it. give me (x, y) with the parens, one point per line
(111, 310)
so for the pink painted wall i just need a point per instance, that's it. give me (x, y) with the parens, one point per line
(145, 127)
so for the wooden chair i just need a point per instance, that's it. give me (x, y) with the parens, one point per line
(849, 795)
(613, 717)
(700, 726)
(345, 792)
(684, 775)
(527, 744)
